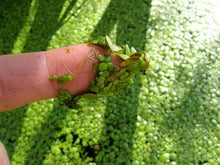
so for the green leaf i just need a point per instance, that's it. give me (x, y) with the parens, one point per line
(53, 78)
(109, 43)
(64, 95)
(65, 78)
(101, 41)
(89, 96)
(133, 50)
(103, 66)
(127, 50)
(122, 56)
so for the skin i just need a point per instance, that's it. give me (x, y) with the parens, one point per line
(4, 160)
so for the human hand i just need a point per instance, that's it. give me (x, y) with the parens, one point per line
(24, 78)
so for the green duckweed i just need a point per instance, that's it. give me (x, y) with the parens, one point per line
(53, 78)
(64, 78)
(64, 95)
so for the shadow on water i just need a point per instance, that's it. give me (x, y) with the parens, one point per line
(13, 15)
(130, 19)
(41, 142)
(46, 23)
(11, 123)
(190, 122)
(116, 139)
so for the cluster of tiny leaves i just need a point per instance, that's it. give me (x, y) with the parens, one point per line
(61, 80)
(111, 79)
(62, 94)
(65, 78)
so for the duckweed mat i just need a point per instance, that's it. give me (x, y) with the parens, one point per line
(171, 115)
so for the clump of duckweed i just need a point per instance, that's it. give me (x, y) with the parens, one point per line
(61, 80)
(63, 95)
(53, 78)
(111, 79)
(64, 78)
